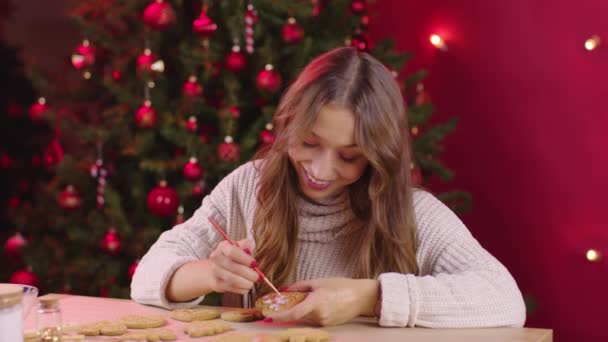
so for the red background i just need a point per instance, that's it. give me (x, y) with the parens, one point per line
(530, 145)
(531, 142)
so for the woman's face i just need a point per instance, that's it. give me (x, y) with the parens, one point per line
(328, 159)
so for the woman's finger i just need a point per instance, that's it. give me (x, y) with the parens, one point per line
(238, 269)
(296, 313)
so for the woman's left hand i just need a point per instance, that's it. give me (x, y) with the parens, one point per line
(332, 301)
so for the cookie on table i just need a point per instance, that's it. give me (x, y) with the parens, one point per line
(206, 328)
(242, 315)
(303, 335)
(273, 302)
(162, 334)
(107, 328)
(143, 321)
(190, 315)
(245, 337)
(134, 336)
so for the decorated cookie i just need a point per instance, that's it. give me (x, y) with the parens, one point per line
(190, 315)
(206, 328)
(303, 335)
(143, 321)
(242, 315)
(272, 302)
(245, 337)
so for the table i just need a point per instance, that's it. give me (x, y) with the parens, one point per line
(80, 309)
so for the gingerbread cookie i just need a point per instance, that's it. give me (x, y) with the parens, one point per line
(206, 328)
(272, 302)
(143, 321)
(150, 335)
(242, 315)
(107, 328)
(303, 335)
(190, 315)
(245, 337)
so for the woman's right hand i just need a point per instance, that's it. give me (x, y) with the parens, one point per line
(231, 267)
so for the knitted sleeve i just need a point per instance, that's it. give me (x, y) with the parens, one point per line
(460, 284)
(194, 239)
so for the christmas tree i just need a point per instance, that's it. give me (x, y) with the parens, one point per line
(166, 98)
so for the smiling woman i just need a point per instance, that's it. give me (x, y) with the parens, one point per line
(330, 210)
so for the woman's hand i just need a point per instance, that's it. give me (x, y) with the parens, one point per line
(231, 267)
(332, 301)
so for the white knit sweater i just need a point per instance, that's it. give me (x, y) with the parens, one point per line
(459, 284)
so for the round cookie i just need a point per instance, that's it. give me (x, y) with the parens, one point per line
(206, 328)
(303, 334)
(113, 329)
(143, 321)
(190, 315)
(272, 302)
(245, 337)
(242, 315)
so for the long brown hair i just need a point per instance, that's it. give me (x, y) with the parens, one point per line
(381, 199)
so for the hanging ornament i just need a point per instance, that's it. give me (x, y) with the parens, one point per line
(422, 96)
(180, 215)
(269, 80)
(116, 75)
(53, 154)
(251, 17)
(416, 174)
(192, 170)
(163, 200)
(360, 41)
(317, 7)
(358, 6)
(364, 22)
(69, 198)
(228, 151)
(12, 246)
(203, 25)
(132, 269)
(192, 88)
(235, 60)
(230, 112)
(415, 131)
(5, 161)
(38, 110)
(145, 116)
(159, 15)
(267, 136)
(99, 172)
(149, 62)
(24, 277)
(198, 190)
(292, 32)
(191, 124)
(84, 55)
(111, 242)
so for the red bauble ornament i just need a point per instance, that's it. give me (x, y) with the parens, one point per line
(235, 61)
(24, 277)
(132, 269)
(163, 200)
(192, 125)
(192, 88)
(111, 242)
(267, 137)
(5, 161)
(292, 32)
(416, 175)
(358, 6)
(203, 25)
(415, 131)
(192, 170)
(145, 116)
(159, 15)
(149, 62)
(228, 151)
(53, 154)
(269, 80)
(198, 190)
(12, 246)
(116, 75)
(84, 55)
(360, 41)
(69, 198)
(38, 110)
(422, 96)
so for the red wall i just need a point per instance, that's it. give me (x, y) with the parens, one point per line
(531, 142)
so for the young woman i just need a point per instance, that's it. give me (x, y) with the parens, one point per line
(331, 207)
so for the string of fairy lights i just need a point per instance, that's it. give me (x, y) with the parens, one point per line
(591, 44)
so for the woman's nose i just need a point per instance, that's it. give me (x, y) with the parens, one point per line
(322, 167)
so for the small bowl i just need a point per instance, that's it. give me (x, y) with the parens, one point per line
(30, 293)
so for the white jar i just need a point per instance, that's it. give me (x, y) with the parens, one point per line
(11, 312)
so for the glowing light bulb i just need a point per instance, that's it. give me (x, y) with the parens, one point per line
(592, 43)
(438, 42)
(593, 255)
(87, 75)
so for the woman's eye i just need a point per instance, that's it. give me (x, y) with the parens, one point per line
(349, 159)
(308, 144)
